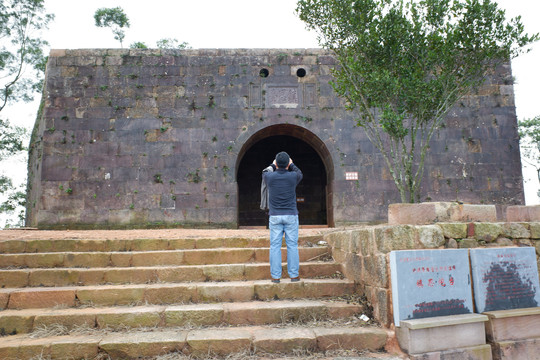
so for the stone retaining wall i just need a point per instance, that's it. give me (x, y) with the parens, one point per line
(364, 252)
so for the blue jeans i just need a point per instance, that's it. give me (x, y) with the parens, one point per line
(280, 224)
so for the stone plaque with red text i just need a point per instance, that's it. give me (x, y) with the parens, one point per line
(429, 283)
(505, 278)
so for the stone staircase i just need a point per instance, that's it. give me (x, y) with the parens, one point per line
(197, 297)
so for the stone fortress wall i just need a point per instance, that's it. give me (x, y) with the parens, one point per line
(149, 137)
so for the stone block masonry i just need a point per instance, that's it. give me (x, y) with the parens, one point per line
(148, 137)
(365, 252)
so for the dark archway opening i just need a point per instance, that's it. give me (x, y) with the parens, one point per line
(311, 192)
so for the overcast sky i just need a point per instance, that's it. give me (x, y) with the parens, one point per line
(242, 24)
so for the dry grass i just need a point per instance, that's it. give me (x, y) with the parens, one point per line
(98, 357)
(299, 354)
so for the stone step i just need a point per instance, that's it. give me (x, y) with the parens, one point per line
(106, 245)
(149, 258)
(21, 278)
(192, 315)
(196, 342)
(172, 293)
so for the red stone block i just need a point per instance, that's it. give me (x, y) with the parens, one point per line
(42, 298)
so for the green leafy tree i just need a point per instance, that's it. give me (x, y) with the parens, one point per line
(167, 43)
(529, 134)
(22, 61)
(403, 64)
(22, 66)
(113, 18)
(13, 198)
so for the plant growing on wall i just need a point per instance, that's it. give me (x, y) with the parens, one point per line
(403, 64)
(113, 18)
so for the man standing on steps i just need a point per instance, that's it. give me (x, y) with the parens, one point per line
(281, 184)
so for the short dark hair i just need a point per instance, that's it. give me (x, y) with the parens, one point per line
(282, 159)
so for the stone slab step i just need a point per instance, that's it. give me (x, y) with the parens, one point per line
(149, 258)
(200, 342)
(105, 245)
(171, 293)
(21, 278)
(193, 315)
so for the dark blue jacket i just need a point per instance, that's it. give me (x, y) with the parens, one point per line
(281, 185)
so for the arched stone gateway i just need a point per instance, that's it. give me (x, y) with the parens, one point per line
(314, 193)
(150, 137)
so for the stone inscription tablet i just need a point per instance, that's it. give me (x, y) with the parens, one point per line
(283, 96)
(428, 283)
(505, 278)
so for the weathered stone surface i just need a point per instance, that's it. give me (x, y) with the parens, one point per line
(285, 290)
(69, 318)
(53, 277)
(176, 274)
(149, 344)
(523, 213)
(218, 342)
(224, 272)
(400, 237)
(339, 310)
(12, 246)
(41, 298)
(223, 256)
(257, 313)
(133, 275)
(466, 212)
(87, 259)
(452, 244)
(346, 338)
(353, 268)
(441, 333)
(487, 231)
(284, 340)
(479, 352)
(366, 240)
(111, 295)
(518, 350)
(170, 294)
(14, 278)
(65, 347)
(119, 318)
(514, 324)
(4, 298)
(430, 236)
(194, 315)
(468, 243)
(19, 322)
(230, 291)
(515, 231)
(454, 230)
(185, 114)
(417, 214)
(375, 270)
(327, 288)
(433, 212)
(504, 242)
(535, 230)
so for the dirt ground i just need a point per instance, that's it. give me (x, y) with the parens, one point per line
(30, 234)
